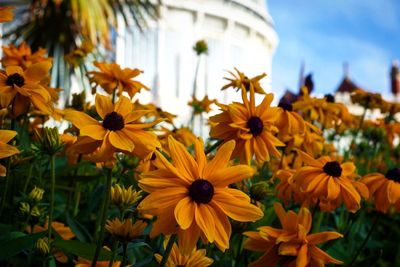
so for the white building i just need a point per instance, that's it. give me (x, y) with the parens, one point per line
(239, 33)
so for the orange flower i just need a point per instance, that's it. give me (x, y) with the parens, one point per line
(241, 81)
(120, 130)
(200, 106)
(111, 77)
(385, 189)
(64, 231)
(6, 14)
(288, 121)
(191, 195)
(5, 149)
(20, 88)
(250, 126)
(196, 258)
(22, 56)
(330, 182)
(291, 245)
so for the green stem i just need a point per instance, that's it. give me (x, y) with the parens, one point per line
(6, 187)
(168, 249)
(28, 179)
(53, 185)
(124, 248)
(103, 217)
(378, 216)
(239, 250)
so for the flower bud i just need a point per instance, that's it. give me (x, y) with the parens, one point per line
(42, 245)
(36, 194)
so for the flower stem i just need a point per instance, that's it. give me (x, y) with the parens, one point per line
(6, 187)
(103, 217)
(378, 216)
(124, 247)
(168, 249)
(28, 179)
(53, 185)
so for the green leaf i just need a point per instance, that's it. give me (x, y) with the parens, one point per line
(78, 229)
(10, 236)
(81, 249)
(12, 247)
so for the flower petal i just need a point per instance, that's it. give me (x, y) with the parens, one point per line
(204, 216)
(121, 141)
(236, 208)
(104, 105)
(184, 212)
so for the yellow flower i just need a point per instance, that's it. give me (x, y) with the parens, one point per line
(5, 149)
(157, 112)
(288, 121)
(194, 194)
(19, 88)
(241, 81)
(124, 196)
(111, 77)
(77, 56)
(252, 128)
(22, 56)
(120, 130)
(385, 189)
(368, 100)
(64, 231)
(6, 14)
(125, 231)
(291, 245)
(200, 106)
(196, 258)
(330, 182)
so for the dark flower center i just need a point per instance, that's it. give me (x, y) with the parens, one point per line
(15, 79)
(255, 125)
(329, 98)
(286, 106)
(113, 121)
(201, 191)
(393, 174)
(333, 168)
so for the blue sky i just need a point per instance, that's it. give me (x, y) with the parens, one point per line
(326, 33)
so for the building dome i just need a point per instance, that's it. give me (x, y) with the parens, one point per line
(239, 34)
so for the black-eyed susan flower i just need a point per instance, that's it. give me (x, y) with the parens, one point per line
(251, 126)
(111, 77)
(292, 245)
(6, 14)
(384, 189)
(287, 190)
(20, 87)
(191, 197)
(196, 258)
(22, 56)
(241, 81)
(203, 105)
(288, 121)
(119, 130)
(330, 182)
(5, 149)
(125, 231)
